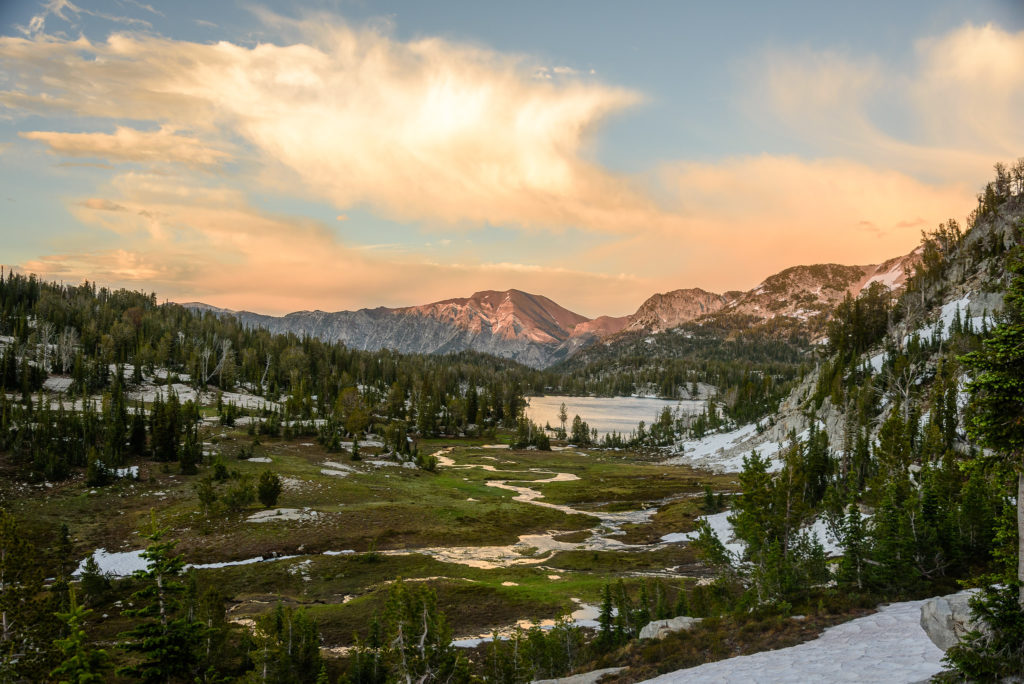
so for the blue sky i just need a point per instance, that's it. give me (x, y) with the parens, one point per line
(348, 154)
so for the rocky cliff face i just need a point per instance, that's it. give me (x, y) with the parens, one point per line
(665, 311)
(802, 293)
(974, 279)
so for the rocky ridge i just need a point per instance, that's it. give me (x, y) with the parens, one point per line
(534, 330)
(972, 285)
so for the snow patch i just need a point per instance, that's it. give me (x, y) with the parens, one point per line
(724, 451)
(130, 471)
(887, 647)
(722, 528)
(57, 384)
(115, 563)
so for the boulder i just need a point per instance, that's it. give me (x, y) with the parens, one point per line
(659, 629)
(945, 619)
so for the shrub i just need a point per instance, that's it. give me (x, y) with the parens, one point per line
(268, 489)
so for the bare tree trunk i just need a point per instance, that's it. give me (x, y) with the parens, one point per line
(266, 369)
(1020, 534)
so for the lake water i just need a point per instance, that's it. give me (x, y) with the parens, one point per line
(607, 414)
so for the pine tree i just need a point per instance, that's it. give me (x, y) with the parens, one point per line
(642, 615)
(606, 618)
(190, 452)
(995, 414)
(682, 607)
(65, 565)
(419, 640)
(81, 663)
(95, 584)
(852, 567)
(288, 647)
(167, 637)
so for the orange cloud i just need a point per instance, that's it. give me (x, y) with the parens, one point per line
(963, 94)
(189, 242)
(741, 220)
(436, 132)
(428, 130)
(970, 90)
(128, 144)
(745, 218)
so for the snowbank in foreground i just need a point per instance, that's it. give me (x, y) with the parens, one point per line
(887, 647)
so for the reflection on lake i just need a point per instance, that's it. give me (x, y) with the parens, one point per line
(607, 414)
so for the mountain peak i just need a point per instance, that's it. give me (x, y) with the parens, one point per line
(507, 314)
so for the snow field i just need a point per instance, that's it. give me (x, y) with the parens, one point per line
(888, 647)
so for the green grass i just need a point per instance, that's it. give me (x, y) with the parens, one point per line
(390, 509)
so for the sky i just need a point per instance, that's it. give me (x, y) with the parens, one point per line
(282, 156)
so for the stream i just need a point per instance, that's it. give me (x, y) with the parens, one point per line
(529, 549)
(532, 549)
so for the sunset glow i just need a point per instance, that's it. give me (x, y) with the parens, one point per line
(361, 156)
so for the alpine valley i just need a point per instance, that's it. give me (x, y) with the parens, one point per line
(830, 464)
(819, 479)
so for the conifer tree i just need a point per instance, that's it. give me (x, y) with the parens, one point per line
(167, 636)
(682, 607)
(80, 663)
(606, 618)
(852, 567)
(995, 414)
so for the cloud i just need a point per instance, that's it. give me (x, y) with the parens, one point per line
(427, 131)
(454, 137)
(69, 12)
(762, 214)
(148, 8)
(188, 241)
(99, 204)
(950, 114)
(744, 218)
(970, 89)
(129, 144)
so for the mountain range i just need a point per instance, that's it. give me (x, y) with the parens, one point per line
(538, 332)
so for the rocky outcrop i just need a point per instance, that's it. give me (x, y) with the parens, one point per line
(659, 629)
(668, 310)
(946, 619)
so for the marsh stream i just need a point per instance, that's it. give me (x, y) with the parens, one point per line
(533, 549)
(529, 549)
